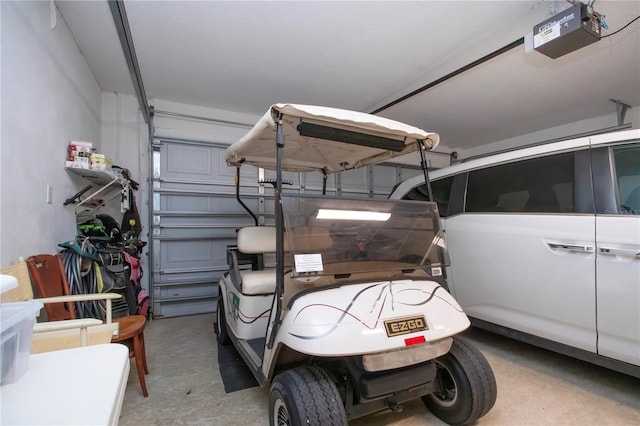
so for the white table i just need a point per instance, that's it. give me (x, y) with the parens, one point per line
(80, 386)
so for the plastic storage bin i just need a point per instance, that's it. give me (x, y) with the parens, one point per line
(16, 323)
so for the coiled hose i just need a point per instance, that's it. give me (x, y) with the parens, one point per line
(83, 282)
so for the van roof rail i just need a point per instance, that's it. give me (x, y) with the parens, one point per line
(548, 141)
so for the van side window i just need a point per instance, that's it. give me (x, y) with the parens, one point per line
(441, 189)
(627, 164)
(538, 185)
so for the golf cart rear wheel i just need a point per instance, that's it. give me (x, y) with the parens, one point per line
(220, 327)
(305, 396)
(466, 385)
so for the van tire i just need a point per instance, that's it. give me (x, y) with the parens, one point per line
(467, 386)
(220, 326)
(305, 396)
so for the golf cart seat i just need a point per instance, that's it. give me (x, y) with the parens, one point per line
(258, 282)
(254, 240)
(262, 240)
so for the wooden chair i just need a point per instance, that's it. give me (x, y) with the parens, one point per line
(50, 279)
(57, 335)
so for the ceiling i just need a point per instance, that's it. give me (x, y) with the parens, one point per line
(244, 56)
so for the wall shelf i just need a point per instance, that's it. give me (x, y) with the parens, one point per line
(105, 181)
(99, 177)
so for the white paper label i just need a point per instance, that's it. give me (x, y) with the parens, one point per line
(546, 35)
(308, 262)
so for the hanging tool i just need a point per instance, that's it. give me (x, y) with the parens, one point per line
(76, 197)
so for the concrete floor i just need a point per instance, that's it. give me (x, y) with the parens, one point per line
(535, 386)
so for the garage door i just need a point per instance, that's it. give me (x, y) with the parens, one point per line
(196, 215)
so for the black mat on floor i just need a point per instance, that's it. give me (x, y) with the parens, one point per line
(235, 373)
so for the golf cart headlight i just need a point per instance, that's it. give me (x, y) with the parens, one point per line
(406, 356)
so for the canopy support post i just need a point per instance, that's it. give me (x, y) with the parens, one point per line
(324, 182)
(279, 234)
(424, 166)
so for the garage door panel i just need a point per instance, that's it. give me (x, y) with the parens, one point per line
(219, 203)
(313, 182)
(290, 176)
(190, 253)
(189, 306)
(406, 173)
(384, 179)
(171, 292)
(205, 275)
(205, 220)
(195, 218)
(199, 187)
(354, 181)
(248, 174)
(188, 160)
(330, 193)
(190, 270)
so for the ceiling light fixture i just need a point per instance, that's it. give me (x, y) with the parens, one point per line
(352, 215)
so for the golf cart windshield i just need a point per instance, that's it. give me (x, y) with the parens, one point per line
(339, 236)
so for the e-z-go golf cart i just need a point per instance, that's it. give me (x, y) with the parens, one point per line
(337, 307)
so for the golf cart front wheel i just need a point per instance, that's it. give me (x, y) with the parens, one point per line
(220, 326)
(305, 396)
(466, 385)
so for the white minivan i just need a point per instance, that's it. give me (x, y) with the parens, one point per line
(544, 244)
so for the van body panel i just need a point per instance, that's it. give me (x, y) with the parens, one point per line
(618, 287)
(513, 276)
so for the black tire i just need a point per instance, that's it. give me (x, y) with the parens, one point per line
(467, 386)
(305, 396)
(220, 326)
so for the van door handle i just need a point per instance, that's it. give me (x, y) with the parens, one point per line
(613, 251)
(579, 248)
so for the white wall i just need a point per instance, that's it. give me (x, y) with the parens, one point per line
(124, 133)
(49, 96)
(125, 139)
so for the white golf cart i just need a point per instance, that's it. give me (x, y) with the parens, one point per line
(338, 305)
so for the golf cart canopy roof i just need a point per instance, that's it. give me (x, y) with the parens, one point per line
(325, 139)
